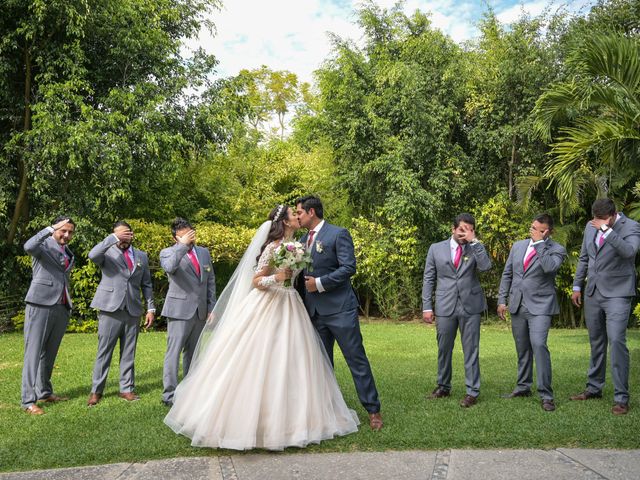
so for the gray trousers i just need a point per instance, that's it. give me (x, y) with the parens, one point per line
(44, 328)
(447, 327)
(607, 320)
(114, 326)
(182, 337)
(344, 328)
(530, 334)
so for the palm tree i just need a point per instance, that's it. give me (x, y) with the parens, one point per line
(599, 146)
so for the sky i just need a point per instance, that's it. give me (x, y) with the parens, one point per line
(293, 34)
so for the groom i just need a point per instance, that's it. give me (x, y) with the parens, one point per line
(331, 302)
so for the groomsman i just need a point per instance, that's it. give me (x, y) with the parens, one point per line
(528, 280)
(47, 311)
(607, 263)
(189, 302)
(451, 269)
(125, 274)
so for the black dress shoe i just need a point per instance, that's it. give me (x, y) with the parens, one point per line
(439, 392)
(167, 403)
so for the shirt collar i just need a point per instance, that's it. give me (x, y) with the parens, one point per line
(453, 245)
(318, 227)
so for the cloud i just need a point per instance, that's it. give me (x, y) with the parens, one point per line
(293, 34)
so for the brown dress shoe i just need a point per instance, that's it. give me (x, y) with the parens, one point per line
(620, 409)
(439, 392)
(548, 405)
(468, 401)
(375, 421)
(94, 398)
(34, 410)
(53, 399)
(586, 395)
(129, 396)
(519, 393)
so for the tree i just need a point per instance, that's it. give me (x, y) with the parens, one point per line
(598, 144)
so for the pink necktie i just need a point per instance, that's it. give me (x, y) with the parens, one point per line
(128, 259)
(194, 260)
(456, 259)
(527, 260)
(310, 240)
(66, 259)
(601, 240)
(63, 300)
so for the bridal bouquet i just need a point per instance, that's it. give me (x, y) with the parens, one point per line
(291, 255)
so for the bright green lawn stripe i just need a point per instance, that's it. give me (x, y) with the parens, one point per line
(403, 357)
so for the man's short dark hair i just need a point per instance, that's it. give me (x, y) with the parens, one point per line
(309, 202)
(603, 207)
(180, 224)
(121, 223)
(545, 219)
(59, 218)
(466, 218)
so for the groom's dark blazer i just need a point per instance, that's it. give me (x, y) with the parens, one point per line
(334, 262)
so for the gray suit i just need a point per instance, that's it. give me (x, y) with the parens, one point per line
(532, 302)
(459, 301)
(334, 312)
(611, 286)
(46, 314)
(118, 300)
(190, 299)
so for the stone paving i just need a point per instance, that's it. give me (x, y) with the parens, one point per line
(559, 464)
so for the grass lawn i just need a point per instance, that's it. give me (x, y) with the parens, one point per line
(403, 357)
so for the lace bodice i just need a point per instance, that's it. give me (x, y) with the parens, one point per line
(265, 259)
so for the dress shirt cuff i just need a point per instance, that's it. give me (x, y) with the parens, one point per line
(428, 310)
(50, 229)
(319, 285)
(538, 242)
(606, 234)
(475, 241)
(151, 310)
(577, 289)
(115, 236)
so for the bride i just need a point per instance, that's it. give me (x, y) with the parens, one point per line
(260, 377)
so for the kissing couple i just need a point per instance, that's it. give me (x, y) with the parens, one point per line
(262, 374)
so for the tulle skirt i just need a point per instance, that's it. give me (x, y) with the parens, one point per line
(263, 381)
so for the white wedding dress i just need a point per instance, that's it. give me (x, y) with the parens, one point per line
(262, 378)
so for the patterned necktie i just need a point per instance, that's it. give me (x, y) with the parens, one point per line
(128, 259)
(310, 240)
(456, 260)
(194, 261)
(528, 259)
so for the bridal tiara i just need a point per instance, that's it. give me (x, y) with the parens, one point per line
(278, 213)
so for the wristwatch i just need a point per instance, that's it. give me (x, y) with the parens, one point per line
(604, 227)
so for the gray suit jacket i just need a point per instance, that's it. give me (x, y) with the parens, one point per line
(611, 268)
(449, 283)
(536, 287)
(335, 265)
(50, 278)
(188, 292)
(119, 287)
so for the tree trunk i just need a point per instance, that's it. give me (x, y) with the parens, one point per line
(21, 200)
(511, 162)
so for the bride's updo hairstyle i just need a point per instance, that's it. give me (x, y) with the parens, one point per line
(277, 216)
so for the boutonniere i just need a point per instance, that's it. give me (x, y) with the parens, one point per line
(207, 268)
(466, 259)
(138, 264)
(319, 247)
